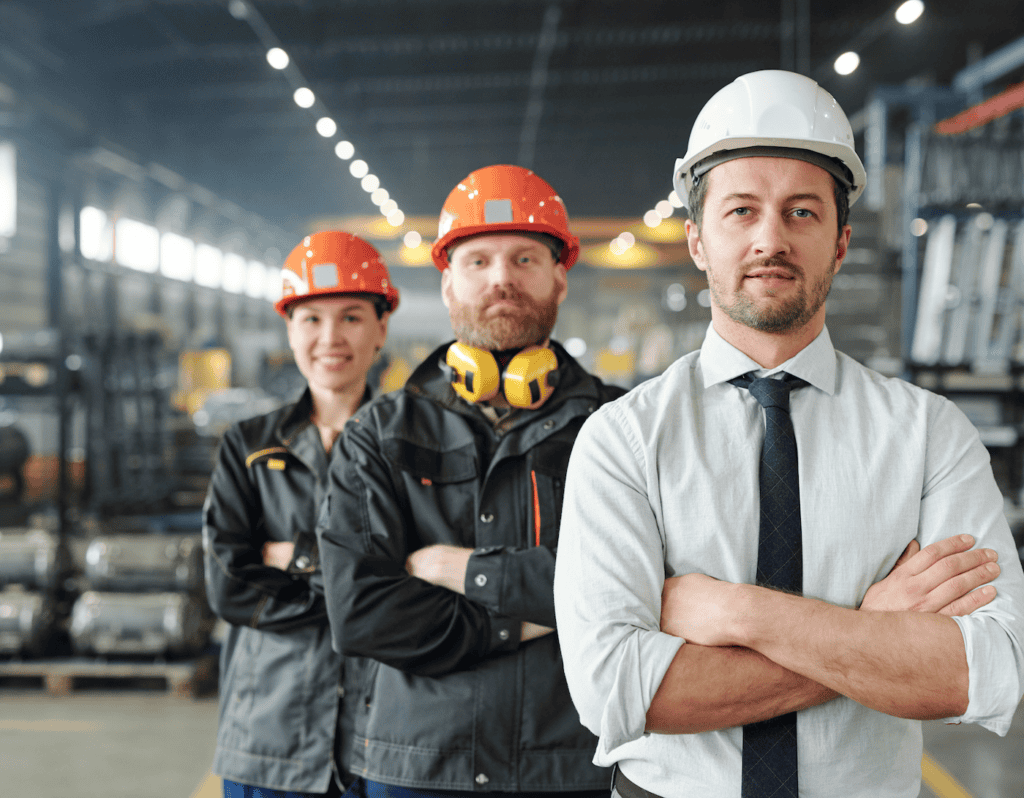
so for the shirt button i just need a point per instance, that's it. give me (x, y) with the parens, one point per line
(481, 779)
(302, 562)
(549, 423)
(341, 691)
(502, 635)
(487, 517)
(480, 580)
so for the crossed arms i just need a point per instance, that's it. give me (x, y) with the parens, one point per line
(754, 653)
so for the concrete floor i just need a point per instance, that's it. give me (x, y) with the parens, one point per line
(126, 744)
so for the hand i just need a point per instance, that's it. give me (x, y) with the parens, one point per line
(278, 554)
(531, 631)
(942, 578)
(441, 565)
(693, 607)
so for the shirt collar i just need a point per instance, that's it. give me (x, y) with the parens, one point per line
(720, 361)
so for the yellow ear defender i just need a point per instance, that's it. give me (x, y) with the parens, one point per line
(526, 381)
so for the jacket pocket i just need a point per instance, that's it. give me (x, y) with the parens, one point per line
(441, 486)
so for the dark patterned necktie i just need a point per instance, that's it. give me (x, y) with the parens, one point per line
(769, 747)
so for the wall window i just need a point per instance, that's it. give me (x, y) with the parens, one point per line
(234, 273)
(209, 266)
(97, 234)
(255, 279)
(8, 191)
(177, 257)
(137, 245)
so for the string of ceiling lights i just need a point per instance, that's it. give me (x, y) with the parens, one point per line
(846, 63)
(305, 98)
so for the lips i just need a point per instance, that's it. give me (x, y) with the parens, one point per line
(334, 361)
(771, 274)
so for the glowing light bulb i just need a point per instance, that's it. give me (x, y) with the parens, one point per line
(277, 58)
(847, 63)
(909, 12)
(326, 127)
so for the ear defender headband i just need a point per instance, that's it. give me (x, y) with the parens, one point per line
(526, 381)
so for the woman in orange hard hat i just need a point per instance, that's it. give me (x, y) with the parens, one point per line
(282, 693)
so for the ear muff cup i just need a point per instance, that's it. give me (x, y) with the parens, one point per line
(526, 381)
(475, 373)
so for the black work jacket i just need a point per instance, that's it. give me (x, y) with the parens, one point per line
(280, 678)
(452, 699)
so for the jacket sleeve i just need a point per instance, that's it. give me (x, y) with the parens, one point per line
(518, 581)
(376, 608)
(240, 588)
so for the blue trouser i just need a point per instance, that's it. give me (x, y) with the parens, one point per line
(372, 789)
(232, 789)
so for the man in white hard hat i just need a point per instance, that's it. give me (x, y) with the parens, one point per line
(719, 589)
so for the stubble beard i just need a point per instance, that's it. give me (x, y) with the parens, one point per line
(777, 317)
(531, 322)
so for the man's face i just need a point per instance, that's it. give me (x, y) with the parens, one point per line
(768, 243)
(502, 291)
(334, 340)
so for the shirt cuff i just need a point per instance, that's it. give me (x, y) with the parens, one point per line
(993, 690)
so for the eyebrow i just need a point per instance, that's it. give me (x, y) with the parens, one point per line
(807, 195)
(519, 248)
(315, 308)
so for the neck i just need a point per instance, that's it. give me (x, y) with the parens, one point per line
(331, 409)
(768, 350)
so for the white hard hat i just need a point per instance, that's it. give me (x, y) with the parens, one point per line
(772, 113)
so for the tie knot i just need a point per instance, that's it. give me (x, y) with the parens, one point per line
(768, 391)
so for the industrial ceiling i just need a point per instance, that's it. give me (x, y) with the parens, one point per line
(597, 96)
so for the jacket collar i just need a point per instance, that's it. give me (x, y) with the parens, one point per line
(299, 418)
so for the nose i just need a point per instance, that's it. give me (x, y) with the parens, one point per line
(503, 272)
(330, 331)
(770, 238)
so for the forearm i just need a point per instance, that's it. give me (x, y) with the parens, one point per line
(707, 688)
(906, 664)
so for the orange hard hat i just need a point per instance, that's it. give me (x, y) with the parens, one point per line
(333, 262)
(503, 198)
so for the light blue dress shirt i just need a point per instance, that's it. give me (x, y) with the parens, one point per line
(664, 482)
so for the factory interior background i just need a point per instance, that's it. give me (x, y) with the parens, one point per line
(160, 158)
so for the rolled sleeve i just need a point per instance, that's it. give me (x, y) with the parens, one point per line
(961, 496)
(609, 576)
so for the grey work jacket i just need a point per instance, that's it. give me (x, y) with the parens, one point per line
(453, 700)
(280, 680)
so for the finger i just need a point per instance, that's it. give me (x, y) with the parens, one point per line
(940, 549)
(959, 586)
(965, 605)
(953, 565)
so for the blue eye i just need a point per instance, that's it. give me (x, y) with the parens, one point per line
(741, 211)
(802, 213)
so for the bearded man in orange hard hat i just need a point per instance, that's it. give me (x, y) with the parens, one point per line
(438, 545)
